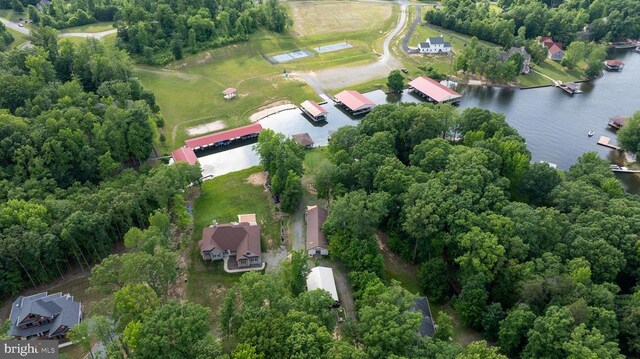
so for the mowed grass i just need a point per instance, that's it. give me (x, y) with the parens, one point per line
(314, 158)
(189, 91)
(313, 18)
(13, 16)
(91, 28)
(222, 199)
(554, 70)
(18, 38)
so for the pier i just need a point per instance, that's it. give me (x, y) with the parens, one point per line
(571, 88)
(606, 142)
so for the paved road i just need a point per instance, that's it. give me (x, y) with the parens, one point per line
(14, 26)
(352, 75)
(407, 37)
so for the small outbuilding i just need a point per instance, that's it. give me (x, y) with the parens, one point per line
(322, 278)
(230, 93)
(303, 139)
(427, 327)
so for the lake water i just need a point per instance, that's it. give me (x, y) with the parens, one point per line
(554, 124)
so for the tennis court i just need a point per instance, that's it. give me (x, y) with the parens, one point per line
(332, 47)
(289, 56)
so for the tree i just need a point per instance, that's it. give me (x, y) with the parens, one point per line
(491, 321)
(444, 329)
(629, 135)
(298, 271)
(133, 303)
(170, 331)
(245, 351)
(292, 193)
(587, 343)
(512, 336)
(81, 335)
(549, 334)
(395, 81)
(433, 279)
(471, 303)
(480, 350)
(538, 182)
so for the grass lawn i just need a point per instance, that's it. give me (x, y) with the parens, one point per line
(554, 70)
(92, 28)
(314, 158)
(533, 79)
(12, 15)
(18, 38)
(199, 79)
(351, 17)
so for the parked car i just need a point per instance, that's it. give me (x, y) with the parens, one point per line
(405, 70)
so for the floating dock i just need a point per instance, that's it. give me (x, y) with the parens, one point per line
(606, 142)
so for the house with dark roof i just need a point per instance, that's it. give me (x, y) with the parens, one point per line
(239, 242)
(303, 139)
(44, 316)
(434, 45)
(427, 327)
(316, 241)
(526, 64)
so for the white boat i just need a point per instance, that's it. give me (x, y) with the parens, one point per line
(621, 169)
(590, 134)
(637, 49)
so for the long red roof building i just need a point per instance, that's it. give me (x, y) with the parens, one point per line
(433, 90)
(214, 138)
(185, 154)
(355, 101)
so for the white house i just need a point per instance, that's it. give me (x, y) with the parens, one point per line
(434, 45)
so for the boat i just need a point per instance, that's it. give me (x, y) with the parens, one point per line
(622, 169)
(590, 134)
(637, 49)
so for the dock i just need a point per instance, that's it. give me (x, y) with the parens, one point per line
(617, 122)
(571, 88)
(606, 142)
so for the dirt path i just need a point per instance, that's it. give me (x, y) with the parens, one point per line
(340, 77)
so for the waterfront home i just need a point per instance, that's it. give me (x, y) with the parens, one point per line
(526, 64)
(44, 316)
(434, 45)
(555, 50)
(316, 241)
(239, 242)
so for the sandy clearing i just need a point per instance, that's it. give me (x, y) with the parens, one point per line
(206, 128)
(268, 110)
(258, 179)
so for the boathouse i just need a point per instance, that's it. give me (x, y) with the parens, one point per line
(313, 110)
(618, 122)
(433, 91)
(613, 65)
(230, 93)
(225, 137)
(303, 139)
(185, 154)
(354, 102)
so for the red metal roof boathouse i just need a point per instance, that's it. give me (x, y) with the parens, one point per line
(354, 102)
(313, 110)
(433, 91)
(187, 153)
(224, 137)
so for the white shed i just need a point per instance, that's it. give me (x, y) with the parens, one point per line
(322, 278)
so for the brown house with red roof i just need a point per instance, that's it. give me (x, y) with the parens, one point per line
(240, 242)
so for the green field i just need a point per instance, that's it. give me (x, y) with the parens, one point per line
(18, 38)
(92, 28)
(189, 91)
(12, 15)
(551, 69)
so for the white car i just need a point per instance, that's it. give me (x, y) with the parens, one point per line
(21, 24)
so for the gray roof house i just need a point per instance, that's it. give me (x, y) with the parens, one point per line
(43, 315)
(427, 328)
(526, 64)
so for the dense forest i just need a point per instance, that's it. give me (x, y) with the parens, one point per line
(73, 124)
(157, 32)
(545, 263)
(564, 20)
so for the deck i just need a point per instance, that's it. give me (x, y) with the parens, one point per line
(606, 142)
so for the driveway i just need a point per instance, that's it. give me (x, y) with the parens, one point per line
(345, 292)
(14, 26)
(98, 35)
(340, 77)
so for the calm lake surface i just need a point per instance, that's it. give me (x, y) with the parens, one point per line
(554, 124)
